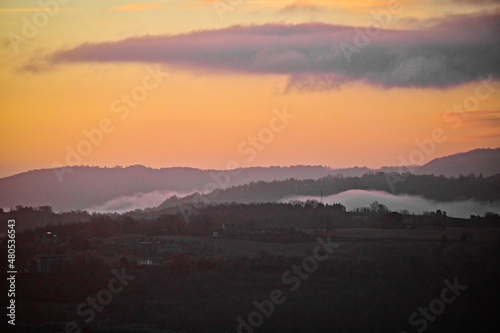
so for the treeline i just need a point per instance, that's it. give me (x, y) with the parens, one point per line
(438, 188)
(246, 217)
(238, 219)
(28, 217)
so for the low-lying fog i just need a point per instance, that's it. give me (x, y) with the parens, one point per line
(360, 198)
(351, 199)
(129, 203)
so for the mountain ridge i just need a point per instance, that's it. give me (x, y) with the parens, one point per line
(82, 187)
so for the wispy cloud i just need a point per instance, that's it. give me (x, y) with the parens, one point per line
(302, 6)
(473, 2)
(136, 7)
(446, 54)
(19, 10)
(27, 10)
(483, 119)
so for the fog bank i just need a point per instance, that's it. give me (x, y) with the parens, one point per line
(353, 199)
(124, 204)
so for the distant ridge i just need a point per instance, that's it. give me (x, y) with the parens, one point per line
(85, 187)
(478, 161)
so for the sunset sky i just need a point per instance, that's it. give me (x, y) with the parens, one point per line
(256, 82)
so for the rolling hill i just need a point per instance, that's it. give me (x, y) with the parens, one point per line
(83, 187)
(479, 161)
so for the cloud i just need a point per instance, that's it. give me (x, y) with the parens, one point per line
(474, 2)
(39, 9)
(492, 135)
(19, 10)
(302, 6)
(136, 7)
(483, 119)
(318, 56)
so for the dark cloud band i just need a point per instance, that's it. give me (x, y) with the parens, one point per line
(447, 54)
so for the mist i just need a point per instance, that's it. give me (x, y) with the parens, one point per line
(353, 199)
(129, 203)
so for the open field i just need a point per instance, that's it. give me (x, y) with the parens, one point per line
(369, 286)
(481, 235)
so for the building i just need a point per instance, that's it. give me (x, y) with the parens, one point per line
(47, 238)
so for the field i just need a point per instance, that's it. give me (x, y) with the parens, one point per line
(372, 285)
(481, 235)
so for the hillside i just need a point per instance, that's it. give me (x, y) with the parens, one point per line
(84, 187)
(479, 161)
(437, 188)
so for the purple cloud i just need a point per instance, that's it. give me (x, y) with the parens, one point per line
(320, 56)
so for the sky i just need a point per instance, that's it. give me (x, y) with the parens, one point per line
(235, 83)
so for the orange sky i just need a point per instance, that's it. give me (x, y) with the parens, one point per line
(205, 118)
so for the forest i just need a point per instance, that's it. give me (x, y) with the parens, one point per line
(438, 188)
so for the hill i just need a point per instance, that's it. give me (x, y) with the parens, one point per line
(437, 188)
(84, 187)
(479, 161)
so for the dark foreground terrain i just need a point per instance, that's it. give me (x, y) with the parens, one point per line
(123, 275)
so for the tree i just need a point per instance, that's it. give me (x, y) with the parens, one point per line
(339, 207)
(45, 209)
(491, 216)
(378, 208)
(383, 209)
(440, 213)
(311, 203)
(374, 207)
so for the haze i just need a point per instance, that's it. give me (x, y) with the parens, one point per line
(359, 198)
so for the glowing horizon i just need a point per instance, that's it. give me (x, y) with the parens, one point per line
(354, 99)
